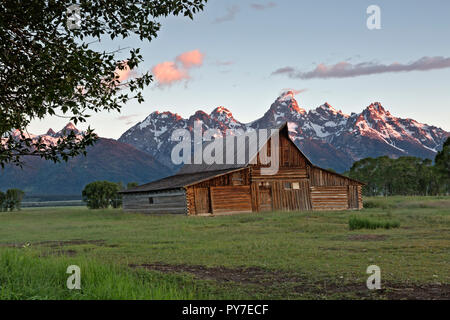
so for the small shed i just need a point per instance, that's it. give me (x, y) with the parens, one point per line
(221, 189)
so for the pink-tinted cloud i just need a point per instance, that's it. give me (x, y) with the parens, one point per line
(191, 59)
(126, 73)
(293, 91)
(168, 72)
(347, 70)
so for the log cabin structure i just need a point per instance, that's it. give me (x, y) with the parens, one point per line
(223, 188)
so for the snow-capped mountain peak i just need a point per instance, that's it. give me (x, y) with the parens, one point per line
(222, 112)
(50, 137)
(285, 108)
(286, 95)
(70, 127)
(223, 115)
(329, 137)
(327, 110)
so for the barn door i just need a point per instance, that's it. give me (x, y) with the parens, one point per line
(265, 198)
(353, 197)
(202, 202)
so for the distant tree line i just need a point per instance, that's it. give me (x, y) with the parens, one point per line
(11, 199)
(104, 194)
(405, 175)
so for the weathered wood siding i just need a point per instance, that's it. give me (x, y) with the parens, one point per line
(265, 202)
(162, 202)
(291, 199)
(320, 177)
(284, 173)
(293, 169)
(360, 200)
(353, 197)
(228, 179)
(202, 200)
(329, 197)
(220, 194)
(230, 199)
(289, 155)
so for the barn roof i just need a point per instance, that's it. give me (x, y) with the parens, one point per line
(177, 181)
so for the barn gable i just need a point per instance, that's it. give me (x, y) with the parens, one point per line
(220, 188)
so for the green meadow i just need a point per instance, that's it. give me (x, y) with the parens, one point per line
(276, 255)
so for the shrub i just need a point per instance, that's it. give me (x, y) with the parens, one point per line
(371, 204)
(356, 223)
(11, 200)
(368, 204)
(102, 194)
(131, 185)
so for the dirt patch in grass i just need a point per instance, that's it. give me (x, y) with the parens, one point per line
(367, 237)
(397, 291)
(418, 292)
(287, 284)
(252, 275)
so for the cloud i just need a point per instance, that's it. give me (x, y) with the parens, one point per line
(345, 69)
(229, 15)
(125, 73)
(191, 58)
(294, 91)
(284, 70)
(169, 72)
(259, 6)
(224, 63)
(128, 117)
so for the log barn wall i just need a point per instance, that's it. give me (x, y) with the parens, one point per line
(226, 193)
(329, 198)
(156, 202)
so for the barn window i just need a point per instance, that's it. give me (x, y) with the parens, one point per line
(150, 200)
(295, 185)
(287, 186)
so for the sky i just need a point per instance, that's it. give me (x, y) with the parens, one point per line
(241, 54)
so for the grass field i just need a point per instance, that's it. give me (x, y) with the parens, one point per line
(277, 255)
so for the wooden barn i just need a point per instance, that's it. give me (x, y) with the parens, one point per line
(221, 189)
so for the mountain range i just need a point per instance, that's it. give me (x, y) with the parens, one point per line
(328, 137)
(108, 159)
